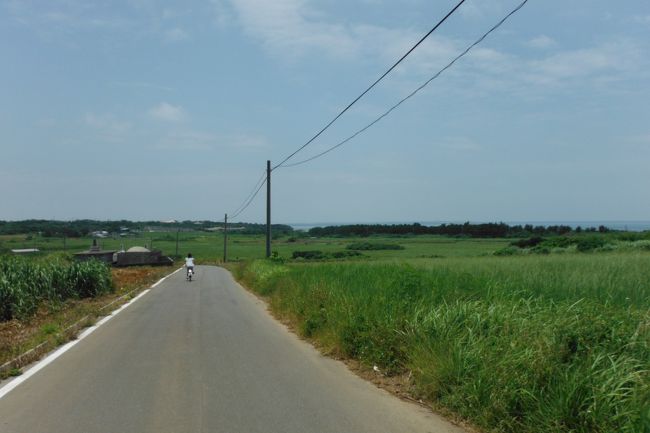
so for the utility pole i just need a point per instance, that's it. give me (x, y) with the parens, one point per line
(225, 239)
(178, 230)
(268, 209)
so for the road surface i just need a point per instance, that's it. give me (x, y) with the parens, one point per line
(203, 356)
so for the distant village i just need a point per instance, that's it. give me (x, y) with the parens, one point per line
(166, 228)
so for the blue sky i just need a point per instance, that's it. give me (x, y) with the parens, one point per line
(143, 109)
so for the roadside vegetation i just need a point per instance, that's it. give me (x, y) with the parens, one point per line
(25, 284)
(513, 344)
(46, 300)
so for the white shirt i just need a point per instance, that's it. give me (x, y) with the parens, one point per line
(189, 262)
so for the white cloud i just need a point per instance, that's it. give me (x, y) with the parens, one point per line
(141, 85)
(487, 69)
(69, 17)
(106, 127)
(199, 140)
(245, 141)
(189, 140)
(106, 122)
(167, 112)
(222, 12)
(642, 140)
(471, 11)
(642, 19)
(610, 61)
(479, 10)
(295, 28)
(168, 14)
(65, 17)
(176, 34)
(57, 17)
(390, 44)
(542, 42)
(292, 27)
(46, 123)
(463, 144)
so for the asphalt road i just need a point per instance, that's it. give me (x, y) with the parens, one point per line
(203, 356)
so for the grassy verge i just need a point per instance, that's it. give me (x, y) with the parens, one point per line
(55, 323)
(514, 344)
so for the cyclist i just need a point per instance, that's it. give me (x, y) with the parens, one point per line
(189, 264)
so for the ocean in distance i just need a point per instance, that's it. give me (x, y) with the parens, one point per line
(632, 226)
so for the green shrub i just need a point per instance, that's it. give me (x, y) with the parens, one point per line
(319, 255)
(309, 255)
(528, 243)
(371, 246)
(507, 251)
(276, 258)
(641, 245)
(345, 254)
(26, 283)
(590, 244)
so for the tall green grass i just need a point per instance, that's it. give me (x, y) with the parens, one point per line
(26, 283)
(516, 344)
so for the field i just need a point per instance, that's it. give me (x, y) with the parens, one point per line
(512, 344)
(531, 340)
(208, 247)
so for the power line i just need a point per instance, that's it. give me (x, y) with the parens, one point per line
(262, 181)
(371, 86)
(249, 194)
(249, 198)
(449, 65)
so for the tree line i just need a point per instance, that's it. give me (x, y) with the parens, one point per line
(486, 230)
(84, 227)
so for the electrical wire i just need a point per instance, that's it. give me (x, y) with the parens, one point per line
(449, 65)
(249, 201)
(249, 198)
(260, 183)
(371, 86)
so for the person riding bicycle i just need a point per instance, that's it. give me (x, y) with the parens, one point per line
(189, 264)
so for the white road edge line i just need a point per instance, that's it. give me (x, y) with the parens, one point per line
(61, 350)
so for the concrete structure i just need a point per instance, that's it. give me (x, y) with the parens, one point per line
(96, 253)
(102, 256)
(135, 256)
